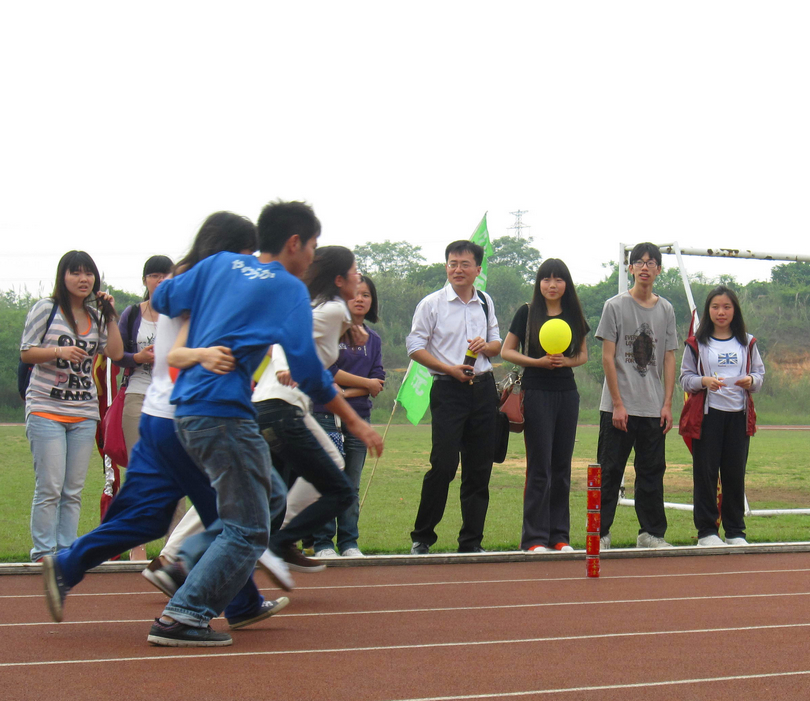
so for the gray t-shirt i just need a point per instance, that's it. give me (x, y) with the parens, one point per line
(58, 386)
(642, 336)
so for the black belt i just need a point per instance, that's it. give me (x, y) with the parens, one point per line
(476, 378)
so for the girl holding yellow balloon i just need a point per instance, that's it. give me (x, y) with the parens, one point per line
(547, 338)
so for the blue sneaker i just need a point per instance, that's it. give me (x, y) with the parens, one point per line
(55, 588)
(267, 609)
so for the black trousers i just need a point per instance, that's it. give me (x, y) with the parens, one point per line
(722, 449)
(550, 433)
(463, 425)
(645, 434)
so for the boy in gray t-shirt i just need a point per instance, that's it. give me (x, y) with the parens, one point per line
(637, 330)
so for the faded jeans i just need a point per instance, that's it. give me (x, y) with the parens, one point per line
(237, 461)
(61, 453)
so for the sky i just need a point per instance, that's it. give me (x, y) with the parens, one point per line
(125, 125)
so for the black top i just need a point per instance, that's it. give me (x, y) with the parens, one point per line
(556, 380)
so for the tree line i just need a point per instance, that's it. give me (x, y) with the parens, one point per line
(776, 312)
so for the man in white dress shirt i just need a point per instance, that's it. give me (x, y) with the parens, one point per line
(447, 325)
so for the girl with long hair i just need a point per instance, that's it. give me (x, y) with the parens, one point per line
(722, 362)
(307, 457)
(62, 335)
(359, 373)
(551, 405)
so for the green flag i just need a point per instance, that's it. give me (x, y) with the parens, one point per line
(414, 393)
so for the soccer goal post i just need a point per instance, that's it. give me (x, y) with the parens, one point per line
(679, 253)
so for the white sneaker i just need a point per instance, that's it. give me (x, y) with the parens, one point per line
(645, 540)
(539, 549)
(277, 570)
(736, 541)
(604, 542)
(710, 541)
(352, 552)
(326, 553)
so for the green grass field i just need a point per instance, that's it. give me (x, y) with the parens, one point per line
(778, 477)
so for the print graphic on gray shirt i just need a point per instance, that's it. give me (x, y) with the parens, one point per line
(642, 336)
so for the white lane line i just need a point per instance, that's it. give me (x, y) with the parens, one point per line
(526, 580)
(610, 687)
(449, 609)
(415, 646)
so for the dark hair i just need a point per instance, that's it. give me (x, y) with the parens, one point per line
(737, 326)
(372, 314)
(571, 307)
(74, 261)
(157, 264)
(329, 262)
(649, 248)
(464, 246)
(279, 221)
(221, 231)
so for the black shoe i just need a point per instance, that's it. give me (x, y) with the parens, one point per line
(475, 549)
(420, 548)
(267, 609)
(180, 635)
(55, 589)
(169, 578)
(296, 561)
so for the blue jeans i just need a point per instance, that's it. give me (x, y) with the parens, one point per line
(236, 459)
(355, 457)
(61, 455)
(159, 473)
(283, 426)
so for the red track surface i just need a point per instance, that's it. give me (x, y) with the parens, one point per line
(656, 628)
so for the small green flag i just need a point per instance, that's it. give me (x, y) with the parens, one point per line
(414, 393)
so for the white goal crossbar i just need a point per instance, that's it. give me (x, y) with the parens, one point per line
(679, 253)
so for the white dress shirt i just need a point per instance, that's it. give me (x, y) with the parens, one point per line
(443, 325)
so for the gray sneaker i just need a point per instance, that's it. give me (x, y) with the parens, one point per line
(710, 541)
(645, 540)
(420, 549)
(55, 588)
(604, 542)
(736, 541)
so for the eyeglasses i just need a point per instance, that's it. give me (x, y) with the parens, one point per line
(466, 265)
(156, 276)
(651, 263)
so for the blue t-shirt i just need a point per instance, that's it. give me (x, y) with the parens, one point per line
(238, 302)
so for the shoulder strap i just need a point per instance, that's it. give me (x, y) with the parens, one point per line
(50, 321)
(526, 333)
(483, 299)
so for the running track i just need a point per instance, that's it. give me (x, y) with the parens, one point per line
(664, 628)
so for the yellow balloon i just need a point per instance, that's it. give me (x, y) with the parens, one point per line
(555, 336)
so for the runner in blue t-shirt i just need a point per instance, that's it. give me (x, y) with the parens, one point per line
(245, 304)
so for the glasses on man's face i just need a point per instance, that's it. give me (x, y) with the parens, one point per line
(156, 276)
(455, 265)
(651, 263)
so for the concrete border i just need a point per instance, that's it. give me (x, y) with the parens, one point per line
(469, 558)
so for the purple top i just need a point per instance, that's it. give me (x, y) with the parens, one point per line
(364, 361)
(130, 342)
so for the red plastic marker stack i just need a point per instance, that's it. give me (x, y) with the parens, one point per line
(594, 520)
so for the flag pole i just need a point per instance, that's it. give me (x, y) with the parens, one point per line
(385, 433)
